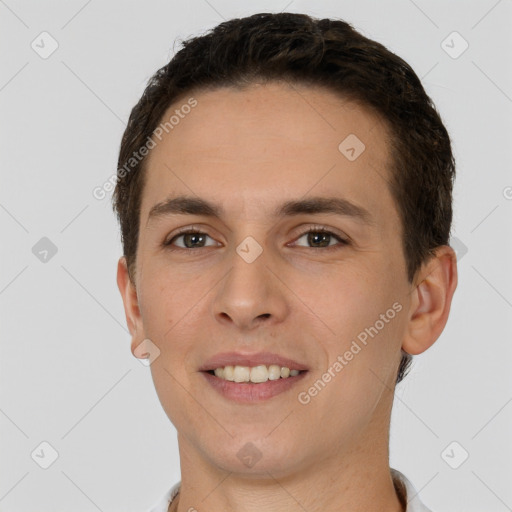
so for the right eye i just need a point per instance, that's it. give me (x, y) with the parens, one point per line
(192, 239)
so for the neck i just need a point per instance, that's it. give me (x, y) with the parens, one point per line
(354, 480)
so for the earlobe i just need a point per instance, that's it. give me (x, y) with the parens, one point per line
(130, 302)
(431, 301)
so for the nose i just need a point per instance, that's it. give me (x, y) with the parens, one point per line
(251, 294)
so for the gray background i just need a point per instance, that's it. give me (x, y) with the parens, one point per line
(67, 373)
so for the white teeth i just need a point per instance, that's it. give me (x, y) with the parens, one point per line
(242, 374)
(229, 373)
(255, 374)
(274, 372)
(259, 374)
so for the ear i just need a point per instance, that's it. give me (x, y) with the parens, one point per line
(131, 304)
(434, 287)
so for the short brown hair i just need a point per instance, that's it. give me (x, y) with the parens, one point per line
(330, 53)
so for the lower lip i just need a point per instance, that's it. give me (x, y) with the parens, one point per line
(249, 392)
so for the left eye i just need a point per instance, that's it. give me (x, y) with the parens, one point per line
(321, 237)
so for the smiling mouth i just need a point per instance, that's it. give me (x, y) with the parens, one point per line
(251, 385)
(255, 374)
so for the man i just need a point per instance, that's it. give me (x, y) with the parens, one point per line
(284, 194)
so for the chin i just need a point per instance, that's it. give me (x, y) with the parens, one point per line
(256, 454)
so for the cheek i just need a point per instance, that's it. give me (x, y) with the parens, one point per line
(170, 312)
(343, 299)
(163, 301)
(156, 308)
(362, 363)
(172, 307)
(361, 321)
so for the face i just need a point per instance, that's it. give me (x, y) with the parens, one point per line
(299, 256)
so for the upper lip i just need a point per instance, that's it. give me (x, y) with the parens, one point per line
(244, 359)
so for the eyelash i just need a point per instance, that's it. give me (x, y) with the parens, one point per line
(315, 229)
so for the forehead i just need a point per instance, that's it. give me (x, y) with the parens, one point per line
(255, 144)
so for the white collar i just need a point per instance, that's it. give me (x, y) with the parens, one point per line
(411, 496)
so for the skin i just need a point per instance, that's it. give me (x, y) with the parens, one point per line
(250, 150)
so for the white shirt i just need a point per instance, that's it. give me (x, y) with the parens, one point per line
(411, 497)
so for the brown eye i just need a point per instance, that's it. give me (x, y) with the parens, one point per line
(190, 240)
(319, 238)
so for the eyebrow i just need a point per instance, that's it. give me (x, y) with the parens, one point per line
(185, 205)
